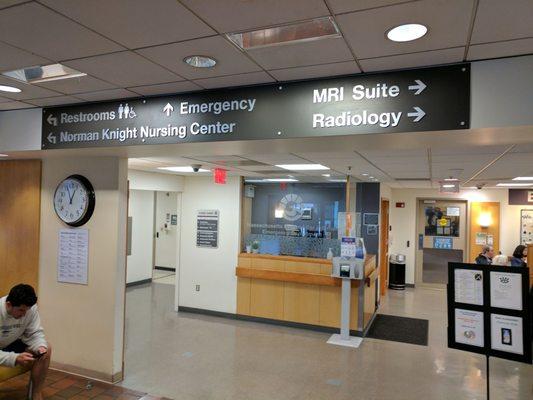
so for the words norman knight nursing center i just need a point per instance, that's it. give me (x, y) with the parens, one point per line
(266, 200)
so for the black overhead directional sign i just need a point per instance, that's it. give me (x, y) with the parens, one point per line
(405, 101)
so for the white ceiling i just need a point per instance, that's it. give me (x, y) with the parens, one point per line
(132, 48)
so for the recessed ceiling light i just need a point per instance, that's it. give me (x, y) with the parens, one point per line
(451, 179)
(4, 155)
(364, 174)
(254, 180)
(44, 73)
(302, 167)
(514, 184)
(448, 186)
(326, 175)
(523, 178)
(200, 61)
(337, 180)
(407, 32)
(9, 89)
(371, 177)
(318, 28)
(182, 169)
(281, 180)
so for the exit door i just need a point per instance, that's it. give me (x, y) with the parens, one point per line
(441, 238)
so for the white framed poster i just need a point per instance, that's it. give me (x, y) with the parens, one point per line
(526, 226)
(468, 286)
(469, 327)
(506, 290)
(506, 333)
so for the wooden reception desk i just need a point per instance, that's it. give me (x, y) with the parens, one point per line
(299, 289)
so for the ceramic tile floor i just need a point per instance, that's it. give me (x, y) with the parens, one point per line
(189, 356)
(62, 386)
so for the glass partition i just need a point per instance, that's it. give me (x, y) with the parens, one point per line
(297, 219)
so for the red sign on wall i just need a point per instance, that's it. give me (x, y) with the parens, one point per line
(220, 176)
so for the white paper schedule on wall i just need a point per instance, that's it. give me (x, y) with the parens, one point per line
(468, 286)
(506, 290)
(72, 257)
(469, 327)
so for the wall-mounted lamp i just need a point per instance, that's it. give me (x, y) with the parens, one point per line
(485, 220)
(278, 213)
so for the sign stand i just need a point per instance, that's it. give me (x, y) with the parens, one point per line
(489, 312)
(344, 338)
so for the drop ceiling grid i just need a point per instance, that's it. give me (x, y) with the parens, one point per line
(96, 33)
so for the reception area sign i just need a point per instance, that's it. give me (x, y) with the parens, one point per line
(428, 99)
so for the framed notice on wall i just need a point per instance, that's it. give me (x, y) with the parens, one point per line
(488, 311)
(526, 227)
(207, 228)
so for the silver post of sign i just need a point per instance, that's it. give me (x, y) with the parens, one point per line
(348, 267)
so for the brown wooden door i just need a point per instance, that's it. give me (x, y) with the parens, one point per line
(384, 247)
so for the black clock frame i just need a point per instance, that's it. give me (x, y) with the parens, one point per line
(91, 199)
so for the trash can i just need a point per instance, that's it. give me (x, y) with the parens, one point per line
(397, 272)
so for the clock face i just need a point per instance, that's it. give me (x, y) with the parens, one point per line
(74, 200)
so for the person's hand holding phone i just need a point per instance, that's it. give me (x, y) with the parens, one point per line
(25, 359)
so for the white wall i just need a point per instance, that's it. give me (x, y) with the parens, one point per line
(403, 220)
(141, 180)
(141, 208)
(212, 269)
(85, 323)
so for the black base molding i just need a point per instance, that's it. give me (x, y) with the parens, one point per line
(411, 285)
(165, 268)
(141, 282)
(289, 324)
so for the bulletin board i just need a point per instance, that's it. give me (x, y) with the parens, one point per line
(526, 226)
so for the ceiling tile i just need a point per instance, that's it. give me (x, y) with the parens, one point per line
(498, 20)
(500, 49)
(14, 105)
(28, 91)
(77, 85)
(230, 61)
(124, 69)
(49, 34)
(54, 101)
(251, 78)
(107, 95)
(3, 99)
(301, 54)
(422, 59)
(343, 6)
(9, 3)
(239, 15)
(365, 30)
(140, 23)
(14, 58)
(166, 88)
(316, 71)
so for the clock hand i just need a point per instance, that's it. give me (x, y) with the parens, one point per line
(71, 197)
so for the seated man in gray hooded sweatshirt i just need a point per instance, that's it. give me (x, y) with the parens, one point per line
(22, 340)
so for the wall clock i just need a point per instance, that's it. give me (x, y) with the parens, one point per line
(74, 200)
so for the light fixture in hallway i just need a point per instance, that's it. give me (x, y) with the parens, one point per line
(407, 32)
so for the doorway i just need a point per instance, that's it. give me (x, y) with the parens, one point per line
(441, 238)
(166, 236)
(384, 247)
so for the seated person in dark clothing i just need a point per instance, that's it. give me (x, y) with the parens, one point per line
(485, 257)
(519, 256)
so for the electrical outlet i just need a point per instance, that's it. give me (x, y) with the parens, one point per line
(197, 288)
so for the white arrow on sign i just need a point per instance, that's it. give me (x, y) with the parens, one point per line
(168, 109)
(419, 87)
(51, 120)
(419, 114)
(51, 138)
